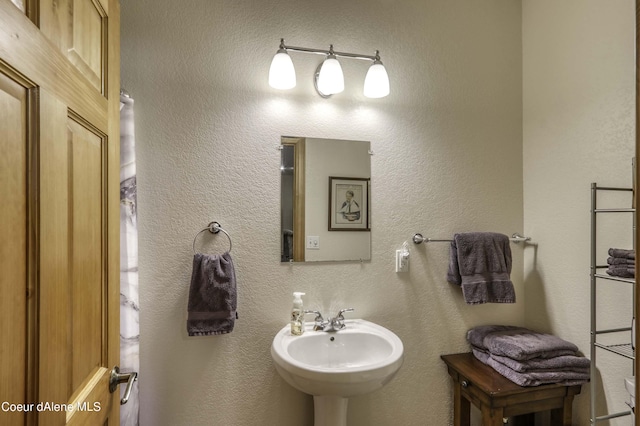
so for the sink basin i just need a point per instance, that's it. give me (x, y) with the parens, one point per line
(333, 366)
(358, 359)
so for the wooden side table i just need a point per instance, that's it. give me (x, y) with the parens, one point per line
(498, 397)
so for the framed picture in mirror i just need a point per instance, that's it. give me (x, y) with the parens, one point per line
(348, 204)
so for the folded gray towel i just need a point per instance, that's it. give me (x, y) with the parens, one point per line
(567, 378)
(573, 363)
(620, 261)
(622, 271)
(576, 364)
(476, 335)
(480, 262)
(212, 295)
(622, 253)
(481, 354)
(526, 344)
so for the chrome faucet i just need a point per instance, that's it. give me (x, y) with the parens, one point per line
(333, 324)
(319, 321)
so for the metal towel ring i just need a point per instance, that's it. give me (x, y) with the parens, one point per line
(214, 228)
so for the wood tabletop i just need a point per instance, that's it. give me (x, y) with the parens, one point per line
(489, 380)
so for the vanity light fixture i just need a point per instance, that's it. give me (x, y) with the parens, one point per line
(328, 78)
(282, 74)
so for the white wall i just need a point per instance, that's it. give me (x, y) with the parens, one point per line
(448, 158)
(578, 90)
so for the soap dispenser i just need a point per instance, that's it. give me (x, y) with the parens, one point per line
(297, 324)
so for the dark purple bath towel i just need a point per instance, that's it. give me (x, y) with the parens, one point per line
(537, 378)
(622, 253)
(575, 363)
(622, 271)
(480, 262)
(621, 261)
(525, 344)
(476, 335)
(526, 357)
(212, 295)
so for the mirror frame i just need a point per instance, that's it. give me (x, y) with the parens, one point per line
(636, 361)
(299, 156)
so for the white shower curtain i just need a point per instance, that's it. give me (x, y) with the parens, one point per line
(129, 308)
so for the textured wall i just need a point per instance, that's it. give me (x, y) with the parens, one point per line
(578, 61)
(448, 158)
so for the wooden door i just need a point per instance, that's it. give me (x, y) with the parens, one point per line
(59, 215)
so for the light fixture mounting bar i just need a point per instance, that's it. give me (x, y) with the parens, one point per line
(331, 52)
(328, 78)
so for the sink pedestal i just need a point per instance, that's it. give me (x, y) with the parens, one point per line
(359, 359)
(330, 410)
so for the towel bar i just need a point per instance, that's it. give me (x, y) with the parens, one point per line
(419, 239)
(214, 228)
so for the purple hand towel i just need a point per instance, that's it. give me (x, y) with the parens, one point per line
(526, 344)
(621, 261)
(622, 253)
(476, 335)
(481, 354)
(480, 262)
(578, 364)
(622, 271)
(212, 295)
(537, 378)
(533, 378)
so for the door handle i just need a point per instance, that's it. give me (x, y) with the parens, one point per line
(117, 378)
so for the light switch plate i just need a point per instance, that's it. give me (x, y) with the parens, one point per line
(313, 243)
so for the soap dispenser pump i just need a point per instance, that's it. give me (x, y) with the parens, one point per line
(297, 324)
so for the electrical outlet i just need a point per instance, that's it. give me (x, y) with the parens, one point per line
(402, 261)
(313, 243)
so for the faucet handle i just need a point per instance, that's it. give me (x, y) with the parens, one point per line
(342, 311)
(319, 321)
(318, 315)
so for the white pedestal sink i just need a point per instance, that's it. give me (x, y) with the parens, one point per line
(332, 366)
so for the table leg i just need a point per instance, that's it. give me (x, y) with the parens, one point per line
(461, 407)
(492, 416)
(523, 420)
(562, 416)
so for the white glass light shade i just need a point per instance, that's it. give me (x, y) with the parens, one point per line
(282, 74)
(376, 83)
(330, 79)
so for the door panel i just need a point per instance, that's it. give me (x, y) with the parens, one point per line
(86, 50)
(86, 203)
(73, 308)
(13, 257)
(54, 285)
(78, 28)
(91, 404)
(59, 287)
(25, 48)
